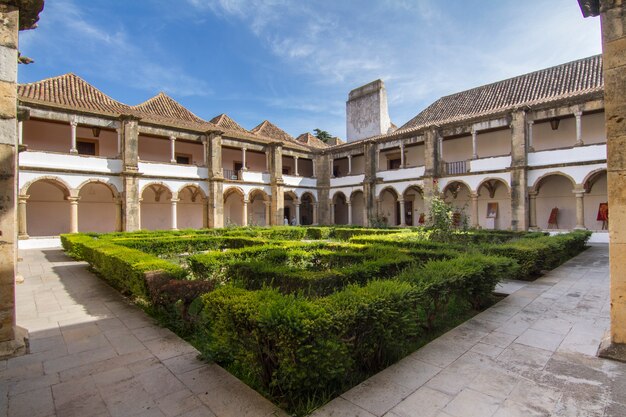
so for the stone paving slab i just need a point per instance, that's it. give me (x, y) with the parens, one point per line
(95, 354)
(532, 354)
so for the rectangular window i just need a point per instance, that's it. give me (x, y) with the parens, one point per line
(87, 147)
(394, 163)
(183, 159)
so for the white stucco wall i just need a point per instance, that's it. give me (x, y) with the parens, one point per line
(494, 143)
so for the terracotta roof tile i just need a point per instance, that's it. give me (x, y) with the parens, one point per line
(312, 141)
(270, 130)
(69, 90)
(226, 122)
(572, 79)
(163, 105)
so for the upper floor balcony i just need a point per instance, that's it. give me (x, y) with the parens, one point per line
(596, 152)
(69, 162)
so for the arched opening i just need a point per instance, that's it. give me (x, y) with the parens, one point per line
(97, 208)
(156, 208)
(494, 200)
(596, 194)
(191, 208)
(340, 205)
(257, 208)
(291, 199)
(47, 208)
(358, 208)
(556, 191)
(233, 207)
(388, 206)
(306, 209)
(414, 206)
(457, 194)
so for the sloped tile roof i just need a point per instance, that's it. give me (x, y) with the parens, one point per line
(163, 105)
(270, 130)
(564, 81)
(226, 122)
(70, 91)
(312, 141)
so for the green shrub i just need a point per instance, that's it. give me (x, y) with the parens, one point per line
(288, 346)
(378, 322)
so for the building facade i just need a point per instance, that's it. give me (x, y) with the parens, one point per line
(505, 155)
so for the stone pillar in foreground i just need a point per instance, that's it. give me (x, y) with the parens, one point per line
(216, 180)
(130, 174)
(14, 16)
(613, 18)
(277, 183)
(519, 172)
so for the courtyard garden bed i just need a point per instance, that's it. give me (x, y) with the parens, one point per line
(303, 313)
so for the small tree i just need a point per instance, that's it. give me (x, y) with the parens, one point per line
(322, 135)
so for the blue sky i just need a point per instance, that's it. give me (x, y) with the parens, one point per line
(293, 62)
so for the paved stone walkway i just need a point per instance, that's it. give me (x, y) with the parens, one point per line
(94, 354)
(532, 354)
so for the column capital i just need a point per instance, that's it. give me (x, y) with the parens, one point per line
(73, 199)
(530, 122)
(474, 196)
(400, 199)
(246, 201)
(172, 137)
(579, 193)
(23, 197)
(73, 123)
(532, 194)
(267, 203)
(174, 200)
(578, 114)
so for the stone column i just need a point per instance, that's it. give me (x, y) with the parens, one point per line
(11, 339)
(440, 147)
(295, 163)
(402, 161)
(475, 221)
(130, 174)
(245, 212)
(73, 125)
(579, 128)
(205, 154)
(314, 170)
(580, 209)
(529, 133)
(215, 180)
(297, 214)
(73, 213)
(402, 213)
(119, 141)
(22, 225)
(331, 162)
(174, 201)
(349, 164)
(244, 163)
(277, 183)
(118, 215)
(532, 197)
(172, 149)
(349, 212)
(139, 201)
(332, 212)
(474, 144)
(315, 213)
(268, 212)
(20, 132)
(205, 213)
(519, 180)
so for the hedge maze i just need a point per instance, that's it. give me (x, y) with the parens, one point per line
(303, 313)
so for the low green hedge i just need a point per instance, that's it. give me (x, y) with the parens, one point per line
(541, 252)
(176, 245)
(124, 268)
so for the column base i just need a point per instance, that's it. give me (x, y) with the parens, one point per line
(23, 237)
(579, 144)
(580, 228)
(17, 347)
(74, 151)
(534, 229)
(613, 351)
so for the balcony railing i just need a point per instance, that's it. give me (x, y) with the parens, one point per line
(231, 174)
(456, 168)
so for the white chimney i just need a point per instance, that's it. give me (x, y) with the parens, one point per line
(366, 111)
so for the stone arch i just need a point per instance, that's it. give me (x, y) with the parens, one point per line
(50, 179)
(340, 208)
(233, 206)
(494, 193)
(114, 191)
(307, 207)
(458, 194)
(388, 206)
(595, 186)
(555, 190)
(156, 206)
(191, 210)
(47, 207)
(358, 207)
(541, 180)
(414, 207)
(99, 207)
(258, 207)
